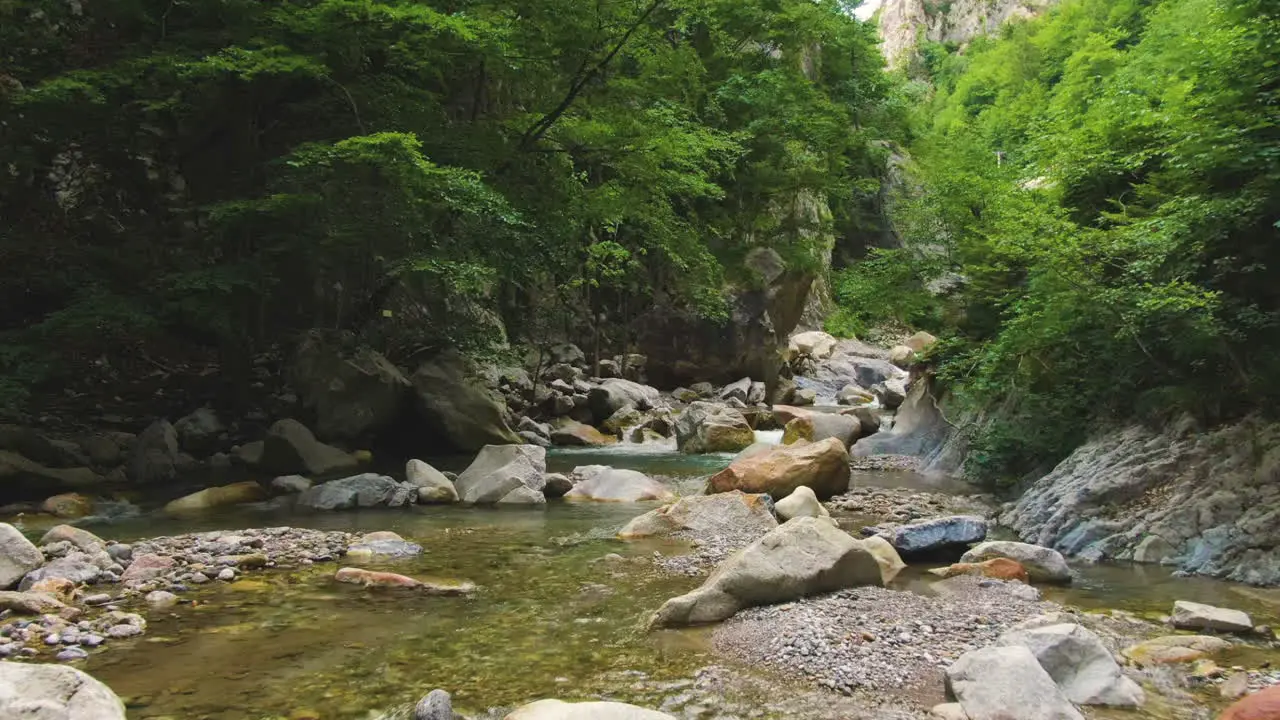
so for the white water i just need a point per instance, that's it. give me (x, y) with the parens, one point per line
(769, 437)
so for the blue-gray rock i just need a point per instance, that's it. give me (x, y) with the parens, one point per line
(358, 491)
(939, 535)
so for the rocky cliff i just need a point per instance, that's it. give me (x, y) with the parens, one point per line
(904, 23)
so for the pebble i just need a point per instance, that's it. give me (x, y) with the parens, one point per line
(198, 578)
(159, 599)
(72, 653)
(97, 599)
(226, 574)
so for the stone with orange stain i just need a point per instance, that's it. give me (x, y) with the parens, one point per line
(375, 578)
(61, 588)
(822, 465)
(998, 568)
(1262, 705)
(705, 516)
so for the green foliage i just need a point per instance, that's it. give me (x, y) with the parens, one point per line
(884, 288)
(1104, 178)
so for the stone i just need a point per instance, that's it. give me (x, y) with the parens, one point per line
(227, 574)
(523, 496)
(160, 599)
(381, 545)
(800, 503)
(34, 691)
(572, 433)
(500, 469)
(703, 389)
(802, 557)
(891, 393)
(997, 568)
(1171, 649)
(41, 448)
(155, 454)
(76, 566)
(358, 491)
(820, 426)
(822, 466)
(739, 389)
(854, 395)
(1154, 549)
(290, 484)
(606, 484)
(21, 476)
(948, 711)
(938, 536)
(1006, 683)
(457, 406)
(815, 345)
(556, 485)
(249, 454)
(18, 556)
(108, 449)
(1079, 663)
(291, 448)
(532, 438)
(1043, 565)
(804, 397)
(625, 418)
(920, 342)
(902, 356)
(1189, 615)
(67, 505)
(1262, 705)
(60, 588)
(145, 567)
(704, 514)
(198, 432)
(36, 603)
(79, 537)
(1235, 686)
(71, 654)
(614, 394)
(353, 391)
(436, 705)
(559, 710)
(433, 486)
(217, 497)
(890, 561)
(373, 578)
(705, 427)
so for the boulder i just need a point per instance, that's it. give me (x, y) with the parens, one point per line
(79, 537)
(290, 484)
(35, 602)
(381, 545)
(1198, 616)
(17, 556)
(820, 426)
(939, 535)
(108, 449)
(705, 515)
(800, 503)
(920, 342)
(457, 405)
(216, 497)
(625, 418)
(35, 691)
(556, 485)
(804, 396)
(559, 710)
(822, 466)
(199, 432)
(61, 589)
(500, 469)
(1044, 565)
(1175, 649)
(147, 567)
(572, 433)
(891, 393)
(1262, 705)
(902, 356)
(705, 427)
(802, 557)
(948, 711)
(358, 491)
(1079, 663)
(22, 477)
(291, 448)
(854, 395)
(76, 567)
(739, 389)
(614, 394)
(155, 456)
(703, 389)
(436, 705)
(374, 578)
(997, 568)
(890, 561)
(433, 486)
(606, 484)
(815, 345)
(868, 418)
(1007, 683)
(352, 390)
(67, 505)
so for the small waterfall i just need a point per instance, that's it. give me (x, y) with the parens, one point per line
(769, 437)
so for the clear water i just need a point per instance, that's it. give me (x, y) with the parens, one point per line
(553, 618)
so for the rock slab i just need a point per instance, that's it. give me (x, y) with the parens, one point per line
(500, 471)
(1043, 564)
(1007, 683)
(1189, 615)
(1079, 663)
(55, 692)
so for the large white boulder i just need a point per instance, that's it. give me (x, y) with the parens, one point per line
(606, 484)
(433, 486)
(1043, 564)
(706, 427)
(1189, 615)
(802, 502)
(704, 516)
(1079, 663)
(502, 470)
(30, 691)
(1007, 683)
(802, 557)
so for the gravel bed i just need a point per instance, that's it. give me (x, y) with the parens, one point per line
(873, 639)
(709, 550)
(904, 505)
(885, 462)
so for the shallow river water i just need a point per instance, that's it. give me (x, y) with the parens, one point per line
(553, 617)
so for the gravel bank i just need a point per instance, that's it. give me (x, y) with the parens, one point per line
(904, 505)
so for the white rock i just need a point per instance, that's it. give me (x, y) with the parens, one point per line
(1007, 683)
(1079, 663)
(1189, 615)
(500, 469)
(1042, 564)
(433, 486)
(802, 502)
(559, 710)
(18, 556)
(54, 692)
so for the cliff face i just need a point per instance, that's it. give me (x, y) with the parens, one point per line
(903, 23)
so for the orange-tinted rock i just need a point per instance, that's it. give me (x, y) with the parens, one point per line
(61, 588)
(374, 578)
(68, 505)
(822, 465)
(998, 568)
(1262, 705)
(784, 414)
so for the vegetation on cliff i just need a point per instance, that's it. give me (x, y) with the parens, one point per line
(221, 173)
(1095, 204)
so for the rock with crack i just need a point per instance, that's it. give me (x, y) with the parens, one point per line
(706, 427)
(802, 557)
(938, 536)
(509, 474)
(358, 491)
(1079, 663)
(1007, 683)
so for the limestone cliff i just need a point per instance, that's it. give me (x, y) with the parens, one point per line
(903, 23)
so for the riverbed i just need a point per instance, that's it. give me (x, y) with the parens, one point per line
(559, 613)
